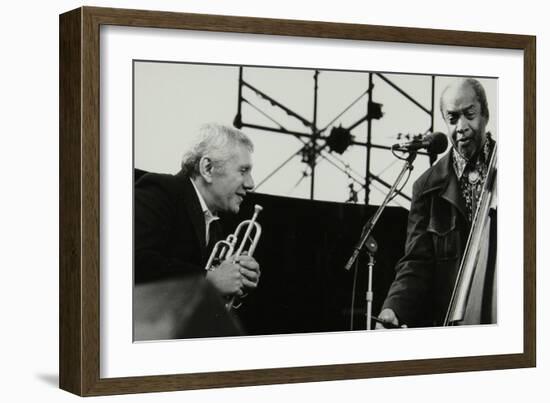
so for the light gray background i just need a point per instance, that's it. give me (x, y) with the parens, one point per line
(29, 203)
(172, 100)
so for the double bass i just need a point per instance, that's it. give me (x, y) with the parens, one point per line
(473, 300)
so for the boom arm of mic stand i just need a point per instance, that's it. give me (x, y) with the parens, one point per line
(369, 226)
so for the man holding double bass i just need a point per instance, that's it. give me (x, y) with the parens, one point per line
(442, 216)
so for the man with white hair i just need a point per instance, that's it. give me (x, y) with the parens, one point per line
(175, 214)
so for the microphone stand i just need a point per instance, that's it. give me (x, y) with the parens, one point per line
(368, 228)
(372, 247)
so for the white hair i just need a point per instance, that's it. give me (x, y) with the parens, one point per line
(218, 143)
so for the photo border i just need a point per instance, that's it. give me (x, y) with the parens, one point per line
(79, 241)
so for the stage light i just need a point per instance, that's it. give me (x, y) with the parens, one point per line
(339, 139)
(375, 111)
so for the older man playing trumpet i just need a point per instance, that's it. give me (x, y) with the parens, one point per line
(176, 216)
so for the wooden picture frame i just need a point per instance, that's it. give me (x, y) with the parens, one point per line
(80, 200)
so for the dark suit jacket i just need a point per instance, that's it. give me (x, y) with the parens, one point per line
(437, 232)
(169, 231)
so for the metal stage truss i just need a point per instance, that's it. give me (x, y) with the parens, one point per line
(318, 143)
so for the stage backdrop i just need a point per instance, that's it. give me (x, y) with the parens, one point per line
(303, 250)
(304, 247)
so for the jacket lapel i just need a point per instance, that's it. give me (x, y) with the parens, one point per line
(444, 181)
(451, 191)
(193, 208)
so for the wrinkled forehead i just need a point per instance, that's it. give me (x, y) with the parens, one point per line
(240, 155)
(459, 97)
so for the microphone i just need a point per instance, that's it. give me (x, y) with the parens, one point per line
(434, 143)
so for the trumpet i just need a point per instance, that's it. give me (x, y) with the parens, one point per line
(225, 249)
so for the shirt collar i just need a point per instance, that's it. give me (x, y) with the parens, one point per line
(461, 164)
(204, 207)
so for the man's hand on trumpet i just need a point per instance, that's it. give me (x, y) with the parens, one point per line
(250, 271)
(234, 278)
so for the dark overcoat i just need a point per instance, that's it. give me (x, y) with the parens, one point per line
(169, 229)
(437, 233)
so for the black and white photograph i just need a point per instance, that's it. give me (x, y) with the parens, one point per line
(258, 201)
(275, 201)
(272, 200)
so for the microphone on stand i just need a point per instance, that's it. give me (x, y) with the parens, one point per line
(434, 143)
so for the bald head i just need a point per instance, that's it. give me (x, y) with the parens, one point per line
(464, 108)
(463, 84)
